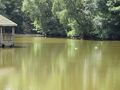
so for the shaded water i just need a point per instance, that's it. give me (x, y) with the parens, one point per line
(60, 64)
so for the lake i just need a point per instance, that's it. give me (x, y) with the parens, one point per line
(37, 63)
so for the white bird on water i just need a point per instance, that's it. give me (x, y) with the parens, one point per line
(76, 48)
(95, 47)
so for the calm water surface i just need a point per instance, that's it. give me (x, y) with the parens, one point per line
(60, 64)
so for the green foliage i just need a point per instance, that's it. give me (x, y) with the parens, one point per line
(88, 19)
(43, 18)
(109, 12)
(12, 10)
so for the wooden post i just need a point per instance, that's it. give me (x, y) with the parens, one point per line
(13, 34)
(1, 36)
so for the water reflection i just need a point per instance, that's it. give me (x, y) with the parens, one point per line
(60, 64)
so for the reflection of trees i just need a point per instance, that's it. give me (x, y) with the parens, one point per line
(99, 70)
(56, 65)
(7, 57)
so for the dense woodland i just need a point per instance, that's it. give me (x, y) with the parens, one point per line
(87, 19)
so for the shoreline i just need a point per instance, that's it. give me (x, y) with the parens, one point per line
(74, 38)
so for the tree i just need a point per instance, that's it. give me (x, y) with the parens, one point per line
(87, 19)
(12, 10)
(2, 7)
(76, 14)
(43, 18)
(108, 12)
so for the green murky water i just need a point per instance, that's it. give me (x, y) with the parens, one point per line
(60, 64)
